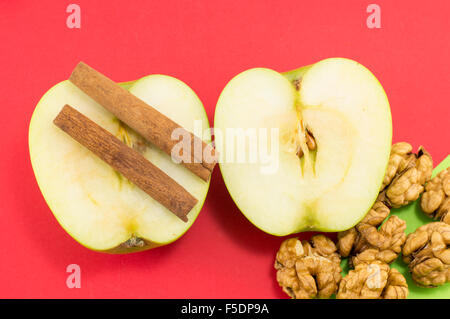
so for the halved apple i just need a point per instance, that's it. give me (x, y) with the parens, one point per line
(329, 186)
(95, 204)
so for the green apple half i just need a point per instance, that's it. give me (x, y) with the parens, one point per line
(331, 188)
(96, 205)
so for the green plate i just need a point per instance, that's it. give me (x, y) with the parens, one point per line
(414, 218)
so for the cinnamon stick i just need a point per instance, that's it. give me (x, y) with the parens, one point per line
(126, 161)
(144, 119)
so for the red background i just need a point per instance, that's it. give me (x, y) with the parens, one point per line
(204, 43)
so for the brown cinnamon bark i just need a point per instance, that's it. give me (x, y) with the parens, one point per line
(144, 119)
(127, 161)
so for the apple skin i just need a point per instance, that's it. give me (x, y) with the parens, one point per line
(121, 248)
(292, 76)
(297, 73)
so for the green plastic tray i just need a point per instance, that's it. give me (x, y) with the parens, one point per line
(414, 218)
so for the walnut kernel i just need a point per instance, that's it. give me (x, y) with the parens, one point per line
(427, 252)
(435, 201)
(308, 269)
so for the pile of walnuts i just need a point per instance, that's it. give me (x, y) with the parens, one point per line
(311, 269)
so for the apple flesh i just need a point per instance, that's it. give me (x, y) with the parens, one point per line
(96, 205)
(344, 107)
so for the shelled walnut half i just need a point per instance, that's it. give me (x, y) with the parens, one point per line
(372, 279)
(406, 175)
(427, 253)
(308, 269)
(387, 239)
(435, 201)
